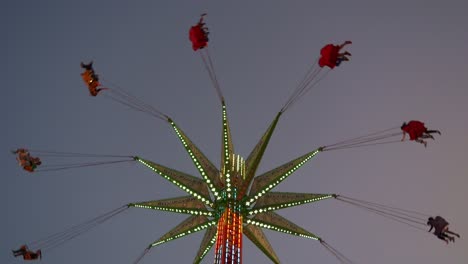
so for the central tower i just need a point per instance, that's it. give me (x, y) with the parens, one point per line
(229, 213)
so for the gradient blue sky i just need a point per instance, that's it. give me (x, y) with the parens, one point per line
(409, 62)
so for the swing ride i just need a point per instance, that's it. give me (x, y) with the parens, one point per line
(233, 200)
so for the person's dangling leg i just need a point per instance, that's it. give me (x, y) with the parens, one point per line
(422, 142)
(452, 233)
(447, 237)
(433, 131)
(427, 136)
(338, 62)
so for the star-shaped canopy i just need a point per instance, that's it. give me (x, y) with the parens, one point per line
(237, 180)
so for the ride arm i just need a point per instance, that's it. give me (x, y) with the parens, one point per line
(256, 235)
(278, 223)
(190, 184)
(227, 152)
(278, 200)
(267, 181)
(208, 241)
(183, 205)
(254, 158)
(188, 226)
(207, 170)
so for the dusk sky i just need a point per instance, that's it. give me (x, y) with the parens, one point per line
(409, 62)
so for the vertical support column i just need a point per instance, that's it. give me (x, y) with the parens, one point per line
(229, 241)
(228, 248)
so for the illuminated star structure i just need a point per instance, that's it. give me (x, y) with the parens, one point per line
(231, 201)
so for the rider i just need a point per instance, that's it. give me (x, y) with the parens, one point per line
(91, 79)
(198, 34)
(27, 254)
(417, 131)
(331, 55)
(26, 161)
(440, 226)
